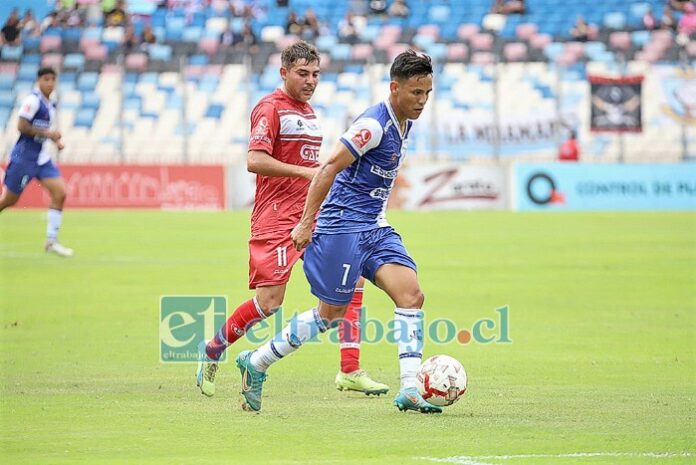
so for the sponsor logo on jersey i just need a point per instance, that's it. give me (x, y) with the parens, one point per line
(361, 138)
(309, 152)
(261, 128)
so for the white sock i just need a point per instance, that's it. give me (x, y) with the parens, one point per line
(408, 332)
(55, 217)
(300, 329)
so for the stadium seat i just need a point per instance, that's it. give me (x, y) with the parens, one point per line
(467, 31)
(84, 117)
(615, 20)
(90, 100)
(439, 13)
(27, 72)
(515, 51)
(54, 60)
(7, 99)
(7, 81)
(457, 52)
(136, 62)
(540, 41)
(482, 58)
(214, 111)
(209, 45)
(361, 52)
(87, 82)
(326, 42)
(50, 43)
(192, 35)
(620, 40)
(341, 52)
(482, 41)
(272, 33)
(10, 53)
(74, 61)
(159, 52)
(640, 38)
(526, 31)
(429, 30)
(97, 53)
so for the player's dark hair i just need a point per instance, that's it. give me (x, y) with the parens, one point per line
(45, 70)
(410, 63)
(299, 52)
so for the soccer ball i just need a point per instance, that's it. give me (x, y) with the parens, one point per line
(441, 380)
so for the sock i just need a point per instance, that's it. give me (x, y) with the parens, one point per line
(349, 334)
(408, 332)
(246, 315)
(55, 217)
(301, 328)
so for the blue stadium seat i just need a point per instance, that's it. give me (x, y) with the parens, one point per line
(6, 81)
(640, 38)
(84, 117)
(326, 42)
(87, 82)
(439, 14)
(192, 35)
(27, 72)
(74, 61)
(7, 99)
(4, 117)
(341, 52)
(214, 111)
(615, 20)
(198, 60)
(34, 58)
(10, 53)
(90, 100)
(160, 52)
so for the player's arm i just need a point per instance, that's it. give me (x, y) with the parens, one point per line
(26, 113)
(262, 163)
(339, 160)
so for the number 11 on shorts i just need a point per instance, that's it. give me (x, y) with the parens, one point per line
(346, 270)
(282, 254)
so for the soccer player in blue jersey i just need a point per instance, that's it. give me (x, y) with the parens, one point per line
(31, 157)
(352, 236)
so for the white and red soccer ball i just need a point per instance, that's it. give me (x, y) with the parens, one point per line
(441, 380)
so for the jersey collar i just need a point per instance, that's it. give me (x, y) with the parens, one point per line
(394, 119)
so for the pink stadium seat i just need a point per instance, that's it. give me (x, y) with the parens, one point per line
(691, 48)
(482, 41)
(620, 40)
(539, 41)
(457, 52)
(136, 62)
(209, 45)
(96, 53)
(593, 32)
(384, 42)
(515, 51)
(482, 58)
(567, 59)
(391, 30)
(8, 68)
(467, 31)
(429, 30)
(396, 49)
(362, 51)
(50, 44)
(215, 70)
(87, 42)
(54, 60)
(576, 49)
(526, 30)
(194, 70)
(285, 41)
(274, 60)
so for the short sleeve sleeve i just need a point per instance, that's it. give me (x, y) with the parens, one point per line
(30, 105)
(264, 128)
(363, 135)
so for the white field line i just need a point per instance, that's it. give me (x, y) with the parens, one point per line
(482, 459)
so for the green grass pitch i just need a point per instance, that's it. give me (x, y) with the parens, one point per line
(601, 369)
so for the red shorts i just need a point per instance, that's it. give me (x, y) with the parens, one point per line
(271, 258)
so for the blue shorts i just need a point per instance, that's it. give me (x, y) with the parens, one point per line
(333, 263)
(19, 174)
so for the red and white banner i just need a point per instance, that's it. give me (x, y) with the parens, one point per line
(199, 187)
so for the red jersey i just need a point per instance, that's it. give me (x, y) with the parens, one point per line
(287, 130)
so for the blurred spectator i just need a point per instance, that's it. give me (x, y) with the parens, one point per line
(148, 38)
(29, 24)
(581, 30)
(506, 7)
(649, 20)
(117, 16)
(240, 39)
(10, 31)
(678, 5)
(378, 7)
(51, 20)
(311, 25)
(399, 9)
(687, 23)
(130, 39)
(294, 25)
(569, 150)
(347, 31)
(667, 21)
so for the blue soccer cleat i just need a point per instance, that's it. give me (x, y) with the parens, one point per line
(252, 382)
(410, 399)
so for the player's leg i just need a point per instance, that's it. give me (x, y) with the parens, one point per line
(331, 265)
(50, 179)
(350, 377)
(271, 259)
(8, 198)
(17, 176)
(392, 269)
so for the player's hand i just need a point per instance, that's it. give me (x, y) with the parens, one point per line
(55, 136)
(301, 236)
(60, 144)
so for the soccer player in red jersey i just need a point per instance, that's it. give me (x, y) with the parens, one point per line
(283, 152)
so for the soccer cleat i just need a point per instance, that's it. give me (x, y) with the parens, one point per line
(409, 399)
(58, 249)
(205, 375)
(252, 382)
(359, 381)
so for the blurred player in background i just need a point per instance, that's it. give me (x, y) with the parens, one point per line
(352, 236)
(283, 152)
(31, 157)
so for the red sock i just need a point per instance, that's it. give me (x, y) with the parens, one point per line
(246, 315)
(349, 334)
